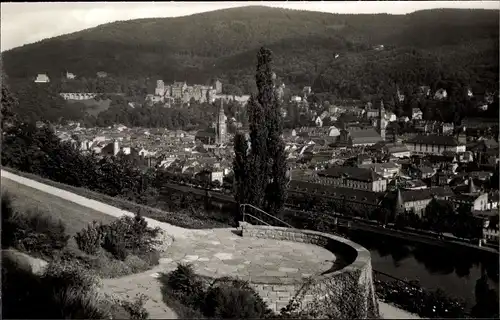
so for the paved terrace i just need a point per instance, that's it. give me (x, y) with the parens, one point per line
(219, 253)
(216, 252)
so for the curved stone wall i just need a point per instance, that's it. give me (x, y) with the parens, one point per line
(325, 294)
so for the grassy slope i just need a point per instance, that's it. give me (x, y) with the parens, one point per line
(75, 217)
(180, 219)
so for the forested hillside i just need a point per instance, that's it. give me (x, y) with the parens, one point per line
(426, 47)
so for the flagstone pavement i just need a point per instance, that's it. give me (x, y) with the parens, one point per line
(219, 253)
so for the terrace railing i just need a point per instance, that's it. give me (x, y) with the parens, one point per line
(244, 207)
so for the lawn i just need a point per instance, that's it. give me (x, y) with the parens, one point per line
(74, 216)
(180, 218)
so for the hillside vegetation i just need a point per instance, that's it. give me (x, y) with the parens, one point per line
(422, 48)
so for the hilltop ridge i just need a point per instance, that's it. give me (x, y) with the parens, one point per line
(223, 43)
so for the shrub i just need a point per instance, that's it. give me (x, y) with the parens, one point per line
(90, 239)
(129, 235)
(8, 229)
(70, 274)
(136, 264)
(141, 236)
(115, 243)
(186, 285)
(75, 304)
(234, 299)
(32, 232)
(64, 292)
(136, 309)
(225, 298)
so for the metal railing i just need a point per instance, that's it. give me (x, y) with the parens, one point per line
(245, 205)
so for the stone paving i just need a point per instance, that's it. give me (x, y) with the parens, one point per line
(218, 253)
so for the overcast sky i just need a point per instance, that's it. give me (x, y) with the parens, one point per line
(23, 23)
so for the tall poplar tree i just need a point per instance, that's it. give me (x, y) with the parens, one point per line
(260, 168)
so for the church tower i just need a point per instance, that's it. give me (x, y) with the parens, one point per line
(221, 128)
(399, 206)
(382, 123)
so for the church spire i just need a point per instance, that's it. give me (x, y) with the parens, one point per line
(381, 120)
(221, 108)
(472, 187)
(399, 205)
(221, 124)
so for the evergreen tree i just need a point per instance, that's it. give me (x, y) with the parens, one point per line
(260, 166)
(9, 105)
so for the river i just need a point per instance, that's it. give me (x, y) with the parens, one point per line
(434, 267)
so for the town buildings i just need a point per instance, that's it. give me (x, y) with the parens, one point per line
(77, 95)
(350, 161)
(354, 178)
(42, 78)
(434, 144)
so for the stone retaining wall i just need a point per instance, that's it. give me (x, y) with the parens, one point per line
(324, 292)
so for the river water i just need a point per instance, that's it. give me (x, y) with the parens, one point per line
(434, 267)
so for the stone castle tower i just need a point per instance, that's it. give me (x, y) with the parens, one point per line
(382, 123)
(221, 127)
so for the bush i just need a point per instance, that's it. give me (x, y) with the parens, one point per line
(136, 309)
(63, 274)
(136, 264)
(90, 239)
(186, 286)
(32, 232)
(129, 235)
(120, 238)
(233, 299)
(65, 292)
(225, 298)
(115, 243)
(8, 229)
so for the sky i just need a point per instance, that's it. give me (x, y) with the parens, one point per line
(24, 23)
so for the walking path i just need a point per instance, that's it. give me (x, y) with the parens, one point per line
(216, 252)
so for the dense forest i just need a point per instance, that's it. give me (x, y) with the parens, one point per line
(422, 48)
(336, 54)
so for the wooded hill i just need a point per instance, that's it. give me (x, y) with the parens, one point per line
(431, 47)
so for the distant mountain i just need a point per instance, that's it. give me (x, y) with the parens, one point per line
(446, 45)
